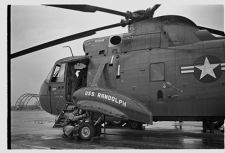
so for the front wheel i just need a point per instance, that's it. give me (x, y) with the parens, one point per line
(86, 131)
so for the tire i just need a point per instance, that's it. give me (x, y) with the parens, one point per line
(135, 125)
(86, 131)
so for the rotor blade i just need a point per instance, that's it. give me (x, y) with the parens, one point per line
(90, 8)
(214, 31)
(63, 40)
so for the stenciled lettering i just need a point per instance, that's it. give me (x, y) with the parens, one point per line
(106, 97)
(89, 93)
(111, 98)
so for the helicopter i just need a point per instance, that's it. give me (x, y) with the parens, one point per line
(165, 68)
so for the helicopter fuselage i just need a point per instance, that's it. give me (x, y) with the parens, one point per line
(172, 68)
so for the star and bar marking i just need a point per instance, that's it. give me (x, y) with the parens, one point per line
(207, 69)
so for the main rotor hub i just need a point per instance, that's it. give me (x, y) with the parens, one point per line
(140, 14)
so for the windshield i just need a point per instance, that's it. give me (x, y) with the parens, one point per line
(49, 75)
(58, 75)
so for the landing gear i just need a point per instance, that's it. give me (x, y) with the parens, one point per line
(135, 125)
(116, 123)
(98, 130)
(86, 131)
(130, 124)
(218, 124)
(211, 126)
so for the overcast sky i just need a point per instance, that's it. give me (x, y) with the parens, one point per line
(32, 25)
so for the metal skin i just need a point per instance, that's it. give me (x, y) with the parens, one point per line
(164, 69)
(44, 97)
(111, 103)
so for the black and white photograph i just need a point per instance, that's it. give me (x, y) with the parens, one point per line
(115, 74)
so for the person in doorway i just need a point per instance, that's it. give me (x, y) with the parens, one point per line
(73, 82)
(82, 77)
(71, 124)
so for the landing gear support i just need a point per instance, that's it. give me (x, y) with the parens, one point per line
(211, 126)
(98, 126)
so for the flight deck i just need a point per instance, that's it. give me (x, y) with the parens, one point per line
(33, 130)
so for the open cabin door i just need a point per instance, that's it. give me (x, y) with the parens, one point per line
(57, 89)
(66, 78)
(76, 77)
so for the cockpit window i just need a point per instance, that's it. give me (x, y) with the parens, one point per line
(58, 75)
(49, 75)
(56, 72)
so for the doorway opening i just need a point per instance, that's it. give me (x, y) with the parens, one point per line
(76, 77)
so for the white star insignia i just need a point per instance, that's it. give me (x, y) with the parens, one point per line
(207, 68)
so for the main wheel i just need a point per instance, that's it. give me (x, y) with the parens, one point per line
(86, 131)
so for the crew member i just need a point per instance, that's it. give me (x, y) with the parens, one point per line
(70, 126)
(73, 82)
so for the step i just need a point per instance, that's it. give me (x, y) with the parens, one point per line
(69, 107)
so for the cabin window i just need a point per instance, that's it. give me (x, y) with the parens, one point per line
(157, 72)
(58, 75)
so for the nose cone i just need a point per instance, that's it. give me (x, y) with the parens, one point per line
(44, 97)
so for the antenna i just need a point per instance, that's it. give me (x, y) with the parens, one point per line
(69, 48)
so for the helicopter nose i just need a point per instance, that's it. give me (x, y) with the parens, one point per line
(44, 97)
